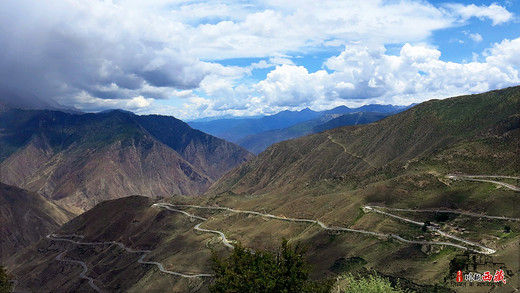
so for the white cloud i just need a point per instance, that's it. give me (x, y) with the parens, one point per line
(86, 101)
(496, 13)
(292, 86)
(280, 27)
(369, 74)
(476, 37)
(128, 53)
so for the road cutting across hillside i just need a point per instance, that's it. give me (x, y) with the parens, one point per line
(485, 250)
(141, 260)
(345, 150)
(473, 246)
(378, 209)
(476, 178)
(448, 211)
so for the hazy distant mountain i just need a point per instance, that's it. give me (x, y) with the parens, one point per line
(236, 129)
(368, 108)
(26, 217)
(356, 118)
(80, 160)
(423, 130)
(257, 143)
(257, 133)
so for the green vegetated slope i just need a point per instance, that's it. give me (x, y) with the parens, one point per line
(80, 160)
(400, 162)
(482, 122)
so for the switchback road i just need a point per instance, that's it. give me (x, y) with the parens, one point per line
(473, 246)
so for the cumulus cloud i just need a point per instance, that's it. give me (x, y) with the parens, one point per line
(476, 37)
(368, 73)
(62, 49)
(496, 13)
(123, 53)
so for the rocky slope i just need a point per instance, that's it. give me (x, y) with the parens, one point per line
(80, 160)
(130, 221)
(26, 217)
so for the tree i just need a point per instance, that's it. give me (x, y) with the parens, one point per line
(284, 270)
(5, 282)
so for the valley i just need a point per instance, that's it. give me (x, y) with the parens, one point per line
(414, 197)
(220, 214)
(260, 146)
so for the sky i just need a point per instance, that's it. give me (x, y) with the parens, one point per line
(194, 59)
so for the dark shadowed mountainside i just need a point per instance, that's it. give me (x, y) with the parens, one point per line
(26, 217)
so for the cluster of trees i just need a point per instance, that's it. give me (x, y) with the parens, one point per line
(284, 270)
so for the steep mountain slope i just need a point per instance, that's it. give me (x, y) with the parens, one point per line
(487, 121)
(80, 160)
(259, 142)
(26, 217)
(213, 155)
(132, 222)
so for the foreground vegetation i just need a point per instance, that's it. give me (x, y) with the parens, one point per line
(283, 270)
(369, 284)
(5, 283)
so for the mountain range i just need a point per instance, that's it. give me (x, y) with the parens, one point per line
(414, 197)
(257, 133)
(79, 160)
(485, 122)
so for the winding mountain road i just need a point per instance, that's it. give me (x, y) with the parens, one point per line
(485, 250)
(83, 273)
(481, 249)
(345, 150)
(447, 211)
(141, 260)
(175, 208)
(197, 227)
(475, 178)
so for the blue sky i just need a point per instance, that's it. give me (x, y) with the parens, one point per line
(195, 59)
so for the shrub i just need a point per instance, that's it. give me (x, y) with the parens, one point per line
(5, 282)
(370, 284)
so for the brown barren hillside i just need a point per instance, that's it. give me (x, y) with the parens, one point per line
(80, 160)
(26, 217)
